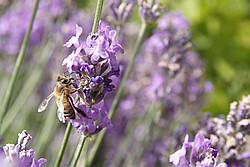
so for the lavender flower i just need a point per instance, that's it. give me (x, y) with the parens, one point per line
(202, 154)
(119, 11)
(229, 134)
(170, 42)
(94, 64)
(18, 155)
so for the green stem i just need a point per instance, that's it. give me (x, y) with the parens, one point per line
(65, 140)
(118, 30)
(30, 86)
(128, 70)
(18, 65)
(78, 151)
(120, 90)
(97, 16)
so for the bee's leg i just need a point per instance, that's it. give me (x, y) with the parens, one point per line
(69, 84)
(74, 90)
(77, 109)
(81, 112)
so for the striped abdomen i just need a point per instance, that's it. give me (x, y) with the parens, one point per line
(68, 109)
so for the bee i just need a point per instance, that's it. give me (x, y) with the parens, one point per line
(62, 92)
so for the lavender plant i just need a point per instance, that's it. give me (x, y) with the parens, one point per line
(202, 154)
(230, 134)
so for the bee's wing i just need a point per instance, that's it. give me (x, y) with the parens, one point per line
(60, 115)
(45, 102)
(60, 110)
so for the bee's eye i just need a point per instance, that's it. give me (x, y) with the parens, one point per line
(64, 81)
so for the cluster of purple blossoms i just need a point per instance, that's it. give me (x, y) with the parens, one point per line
(94, 64)
(230, 134)
(202, 154)
(170, 42)
(18, 155)
(179, 70)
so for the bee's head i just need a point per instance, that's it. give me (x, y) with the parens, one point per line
(64, 79)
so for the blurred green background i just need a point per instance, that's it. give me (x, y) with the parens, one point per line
(221, 34)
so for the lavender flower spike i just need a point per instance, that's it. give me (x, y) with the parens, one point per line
(18, 155)
(94, 63)
(230, 133)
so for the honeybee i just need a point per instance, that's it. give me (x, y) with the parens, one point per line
(62, 92)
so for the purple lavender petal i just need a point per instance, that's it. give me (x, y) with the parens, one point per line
(74, 40)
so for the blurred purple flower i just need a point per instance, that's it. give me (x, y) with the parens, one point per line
(170, 75)
(174, 21)
(229, 134)
(120, 12)
(202, 154)
(18, 15)
(18, 155)
(150, 12)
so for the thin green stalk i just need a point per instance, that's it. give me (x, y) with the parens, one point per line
(65, 140)
(85, 152)
(27, 90)
(128, 70)
(98, 13)
(120, 90)
(78, 151)
(118, 30)
(19, 60)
